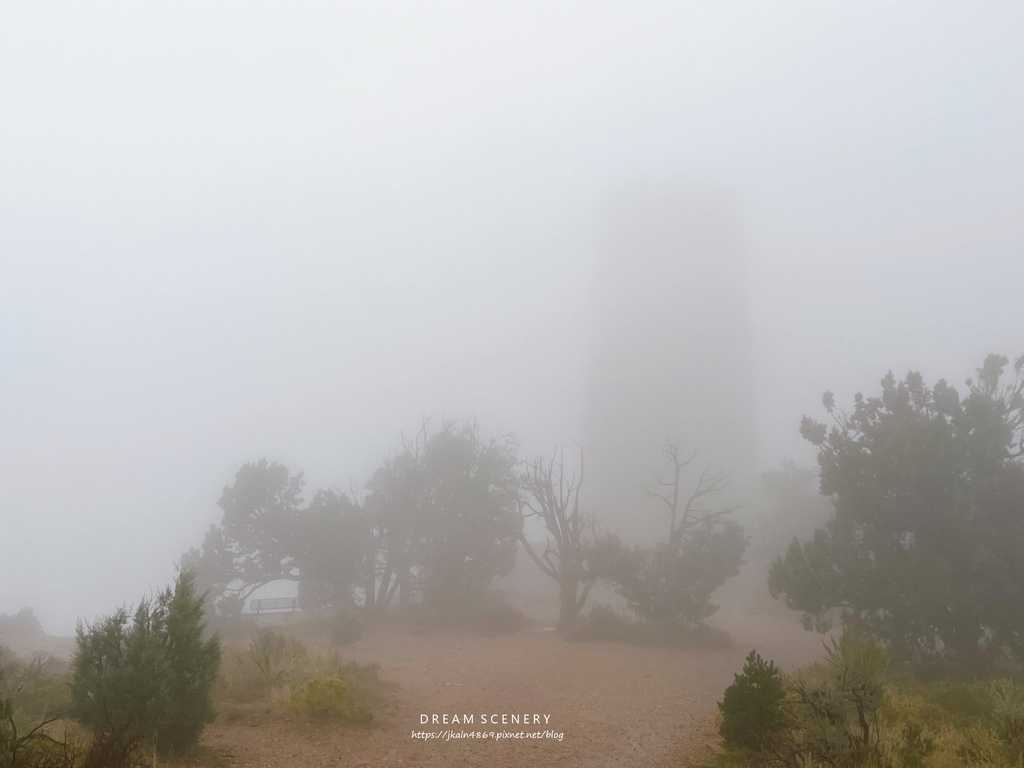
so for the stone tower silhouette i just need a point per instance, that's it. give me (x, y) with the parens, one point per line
(670, 353)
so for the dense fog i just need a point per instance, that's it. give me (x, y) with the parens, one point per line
(230, 233)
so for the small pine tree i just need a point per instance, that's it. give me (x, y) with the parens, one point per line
(192, 663)
(119, 677)
(152, 676)
(751, 709)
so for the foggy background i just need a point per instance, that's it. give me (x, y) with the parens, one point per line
(289, 231)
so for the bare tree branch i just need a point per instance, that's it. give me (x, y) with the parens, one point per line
(689, 514)
(552, 496)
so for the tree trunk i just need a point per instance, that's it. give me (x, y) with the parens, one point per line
(403, 588)
(370, 590)
(568, 608)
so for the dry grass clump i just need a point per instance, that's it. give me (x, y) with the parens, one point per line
(331, 699)
(274, 674)
(852, 712)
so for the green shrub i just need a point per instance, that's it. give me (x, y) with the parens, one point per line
(331, 698)
(848, 712)
(150, 677)
(119, 686)
(346, 628)
(672, 584)
(192, 662)
(751, 710)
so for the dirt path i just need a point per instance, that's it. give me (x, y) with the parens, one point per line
(614, 705)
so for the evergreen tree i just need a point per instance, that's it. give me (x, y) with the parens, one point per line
(192, 663)
(151, 677)
(924, 548)
(752, 707)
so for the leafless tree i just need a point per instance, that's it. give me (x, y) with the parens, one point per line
(549, 495)
(688, 512)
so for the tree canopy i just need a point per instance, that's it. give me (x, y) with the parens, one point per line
(671, 583)
(925, 545)
(267, 534)
(443, 514)
(439, 519)
(330, 543)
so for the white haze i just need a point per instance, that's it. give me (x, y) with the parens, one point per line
(235, 231)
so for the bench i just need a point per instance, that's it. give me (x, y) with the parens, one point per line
(258, 605)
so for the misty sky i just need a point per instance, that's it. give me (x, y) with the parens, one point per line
(235, 231)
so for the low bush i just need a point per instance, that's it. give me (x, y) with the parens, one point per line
(602, 622)
(752, 707)
(331, 699)
(276, 658)
(672, 584)
(850, 712)
(346, 628)
(476, 610)
(148, 679)
(268, 674)
(268, 661)
(363, 679)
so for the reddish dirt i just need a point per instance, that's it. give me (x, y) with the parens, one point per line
(616, 705)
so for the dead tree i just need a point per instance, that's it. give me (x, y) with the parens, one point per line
(548, 495)
(690, 513)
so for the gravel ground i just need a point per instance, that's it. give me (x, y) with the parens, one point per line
(614, 705)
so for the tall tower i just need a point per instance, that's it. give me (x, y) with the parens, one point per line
(670, 354)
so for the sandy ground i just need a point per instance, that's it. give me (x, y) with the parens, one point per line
(609, 704)
(614, 705)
